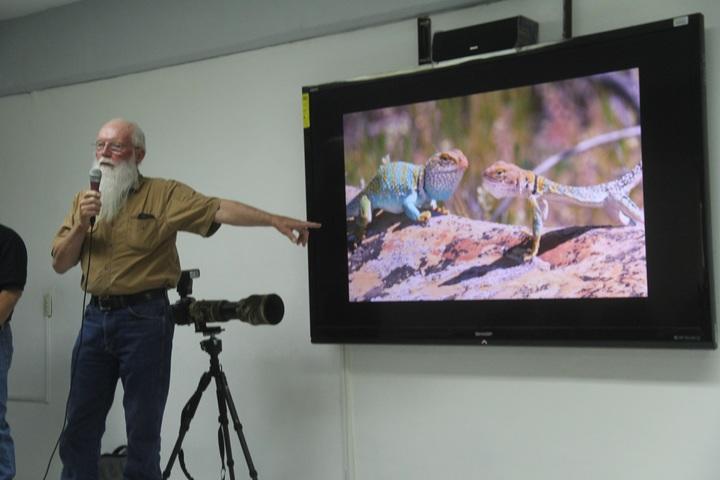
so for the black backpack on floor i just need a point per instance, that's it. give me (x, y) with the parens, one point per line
(113, 464)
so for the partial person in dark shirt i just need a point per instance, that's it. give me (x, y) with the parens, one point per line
(13, 275)
(128, 327)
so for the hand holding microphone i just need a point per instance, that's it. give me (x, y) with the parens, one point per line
(90, 201)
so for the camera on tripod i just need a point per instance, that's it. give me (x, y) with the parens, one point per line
(255, 309)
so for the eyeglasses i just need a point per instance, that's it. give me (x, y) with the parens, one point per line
(114, 147)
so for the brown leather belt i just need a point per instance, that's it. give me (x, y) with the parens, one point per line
(113, 302)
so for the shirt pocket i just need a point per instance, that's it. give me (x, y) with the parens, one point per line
(143, 232)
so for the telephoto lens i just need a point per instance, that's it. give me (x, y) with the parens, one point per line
(261, 309)
(255, 310)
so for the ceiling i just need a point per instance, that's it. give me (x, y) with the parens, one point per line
(19, 8)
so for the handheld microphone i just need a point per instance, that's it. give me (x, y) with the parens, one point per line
(95, 177)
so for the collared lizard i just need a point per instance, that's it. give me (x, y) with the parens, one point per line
(504, 180)
(399, 187)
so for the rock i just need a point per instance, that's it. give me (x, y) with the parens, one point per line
(454, 257)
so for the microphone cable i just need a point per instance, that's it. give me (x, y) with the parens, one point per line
(77, 352)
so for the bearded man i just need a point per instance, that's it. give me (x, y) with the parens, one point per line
(129, 261)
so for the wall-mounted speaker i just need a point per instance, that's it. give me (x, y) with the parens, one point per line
(503, 34)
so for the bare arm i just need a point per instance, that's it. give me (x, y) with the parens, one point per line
(8, 300)
(240, 214)
(66, 253)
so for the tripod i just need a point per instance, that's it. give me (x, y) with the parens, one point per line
(213, 346)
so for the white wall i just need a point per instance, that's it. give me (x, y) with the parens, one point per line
(67, 44)
(232, 127)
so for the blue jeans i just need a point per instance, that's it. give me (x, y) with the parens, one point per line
(7, 448)
(133, 344)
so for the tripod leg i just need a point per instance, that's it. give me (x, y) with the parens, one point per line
(224, 435)
(237, 425)
(187, 414)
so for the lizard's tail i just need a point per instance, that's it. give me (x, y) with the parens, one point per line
(629, 180)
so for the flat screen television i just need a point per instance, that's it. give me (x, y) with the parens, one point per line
(556, 195)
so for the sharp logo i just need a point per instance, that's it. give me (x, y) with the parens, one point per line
(686, 338)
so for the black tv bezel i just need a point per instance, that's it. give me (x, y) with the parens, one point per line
(679, 309)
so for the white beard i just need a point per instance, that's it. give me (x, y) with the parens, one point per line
(115, 184)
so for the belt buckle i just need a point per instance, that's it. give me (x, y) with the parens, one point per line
(105, 303)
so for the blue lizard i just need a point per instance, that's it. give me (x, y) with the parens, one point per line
(401, 187)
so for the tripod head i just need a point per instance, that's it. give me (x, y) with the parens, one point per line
(255, 309)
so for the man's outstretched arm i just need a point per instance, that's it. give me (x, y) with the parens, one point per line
(240, 214)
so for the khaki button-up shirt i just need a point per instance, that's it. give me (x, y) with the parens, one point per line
(136, 250)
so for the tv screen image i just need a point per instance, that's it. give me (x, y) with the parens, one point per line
(579, 137)
(553, 195)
